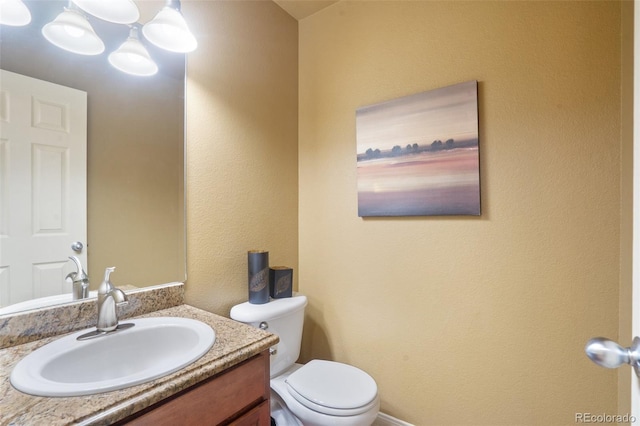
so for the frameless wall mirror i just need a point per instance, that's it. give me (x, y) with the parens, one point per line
(134, 160)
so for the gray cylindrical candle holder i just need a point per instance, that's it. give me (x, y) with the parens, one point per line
(258, 276)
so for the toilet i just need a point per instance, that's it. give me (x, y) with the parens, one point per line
(319, 393)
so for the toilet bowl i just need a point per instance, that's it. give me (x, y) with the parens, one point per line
(319, 393)
(322, 393)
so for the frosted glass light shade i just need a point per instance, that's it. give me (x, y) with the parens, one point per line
(132, 58)
(117, 11)
(169, 31)
(14, 13)
(71, 31)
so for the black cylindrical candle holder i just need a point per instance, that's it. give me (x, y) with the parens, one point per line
(258, 276)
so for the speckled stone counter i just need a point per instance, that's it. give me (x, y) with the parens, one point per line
(235, 342)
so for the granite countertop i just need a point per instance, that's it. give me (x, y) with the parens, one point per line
(235, 342)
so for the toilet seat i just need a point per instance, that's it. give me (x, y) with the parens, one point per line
(333, 388)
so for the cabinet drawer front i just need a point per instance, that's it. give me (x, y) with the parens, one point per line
(216, 401)
(259, 416)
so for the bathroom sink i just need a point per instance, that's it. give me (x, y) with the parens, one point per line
(152, 348)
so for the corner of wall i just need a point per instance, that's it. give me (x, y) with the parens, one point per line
(626, 198)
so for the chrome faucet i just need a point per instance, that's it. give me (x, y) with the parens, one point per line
(108, 298)
(80, 281)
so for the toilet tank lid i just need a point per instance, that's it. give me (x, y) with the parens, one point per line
(249, 312)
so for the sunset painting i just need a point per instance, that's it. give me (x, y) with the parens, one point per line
(418, 155)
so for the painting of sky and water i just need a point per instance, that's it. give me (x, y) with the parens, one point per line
(418, 155)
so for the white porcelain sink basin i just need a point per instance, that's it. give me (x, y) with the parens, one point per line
(152, 348)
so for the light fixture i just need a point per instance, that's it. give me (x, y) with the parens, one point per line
(116, 11)
(132, 58)
(71, 31)
(14, 13)
(169, 31)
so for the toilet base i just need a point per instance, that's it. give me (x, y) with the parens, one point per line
(281, 414)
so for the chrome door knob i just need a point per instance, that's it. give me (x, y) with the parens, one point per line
(77, 246)
(609, 354)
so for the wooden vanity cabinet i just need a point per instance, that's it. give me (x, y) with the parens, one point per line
(238, 396)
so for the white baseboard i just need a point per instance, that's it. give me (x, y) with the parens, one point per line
(386, 420)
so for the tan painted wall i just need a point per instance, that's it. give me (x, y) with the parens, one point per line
(464, 320)
(242, 171)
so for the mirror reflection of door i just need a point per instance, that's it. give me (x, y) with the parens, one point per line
(43, 201)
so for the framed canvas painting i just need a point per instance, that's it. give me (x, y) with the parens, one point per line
(419, 155)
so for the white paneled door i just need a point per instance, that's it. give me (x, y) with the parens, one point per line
(43, 175)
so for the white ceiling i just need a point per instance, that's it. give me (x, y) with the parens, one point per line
(300, 9)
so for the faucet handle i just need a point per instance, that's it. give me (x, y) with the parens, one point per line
(106, 286)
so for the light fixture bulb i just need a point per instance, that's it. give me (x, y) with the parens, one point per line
(116, 11)
(14, 13)
(72, 32)
(132, 57)
(169, 31)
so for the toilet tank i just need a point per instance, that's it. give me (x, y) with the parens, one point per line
(283, 317)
